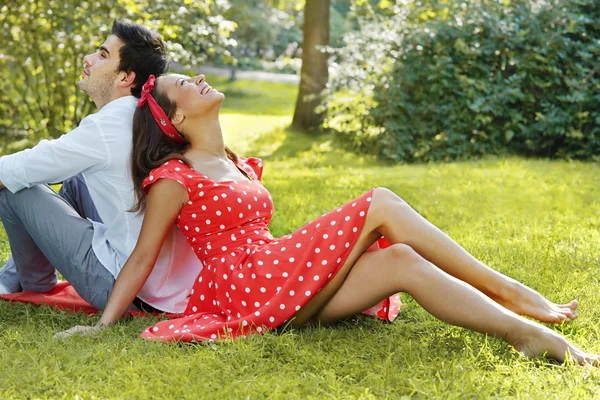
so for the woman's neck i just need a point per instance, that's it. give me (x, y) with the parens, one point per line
(208, 136)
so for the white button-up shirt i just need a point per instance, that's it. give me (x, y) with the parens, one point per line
(100, 149)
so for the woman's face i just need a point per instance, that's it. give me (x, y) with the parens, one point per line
(194, 96)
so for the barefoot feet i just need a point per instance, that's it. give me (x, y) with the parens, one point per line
(525, 301)
(541, 341)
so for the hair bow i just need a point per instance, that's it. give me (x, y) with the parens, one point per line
(157, 112)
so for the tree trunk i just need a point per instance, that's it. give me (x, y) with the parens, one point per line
(313, 74)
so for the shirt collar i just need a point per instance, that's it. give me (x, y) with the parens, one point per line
(125, 101)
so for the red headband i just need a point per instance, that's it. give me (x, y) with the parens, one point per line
(157, 112)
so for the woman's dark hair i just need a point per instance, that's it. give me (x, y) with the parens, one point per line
(143, 52)
(151, 147)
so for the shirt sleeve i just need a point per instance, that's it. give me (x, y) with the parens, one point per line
(51, 161)
(253, 166)
(170, 170)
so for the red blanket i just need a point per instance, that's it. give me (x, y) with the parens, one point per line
(61, 297)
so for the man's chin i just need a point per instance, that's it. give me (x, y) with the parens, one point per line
(82, 84)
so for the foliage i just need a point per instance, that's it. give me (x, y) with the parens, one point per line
(358, 69)
(266, 34)
(454, 80)
(269, 33)
(45, 41)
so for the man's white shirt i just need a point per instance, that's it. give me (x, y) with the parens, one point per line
(100, 149)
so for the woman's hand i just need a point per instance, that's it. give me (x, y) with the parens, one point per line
(82, 330)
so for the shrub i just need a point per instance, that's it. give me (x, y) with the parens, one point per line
(476, 78)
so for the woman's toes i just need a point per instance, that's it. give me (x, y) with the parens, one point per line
(572, 305)
(552, 317)
(558, 318)
(592, 360)
(569, 313)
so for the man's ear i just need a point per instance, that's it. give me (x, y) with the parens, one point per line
(126, 79)
(177, 118)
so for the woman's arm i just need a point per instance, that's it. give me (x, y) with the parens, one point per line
(165, 200)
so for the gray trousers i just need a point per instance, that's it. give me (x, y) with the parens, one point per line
(49, 232)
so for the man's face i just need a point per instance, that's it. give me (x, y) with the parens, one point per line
(99, 76)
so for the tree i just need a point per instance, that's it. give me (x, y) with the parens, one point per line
(314, 73)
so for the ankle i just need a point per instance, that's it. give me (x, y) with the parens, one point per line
(502, 290)
(523, 334)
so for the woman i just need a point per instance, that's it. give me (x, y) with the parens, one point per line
(252, 282)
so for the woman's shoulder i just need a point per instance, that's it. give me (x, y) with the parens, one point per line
(176, 170)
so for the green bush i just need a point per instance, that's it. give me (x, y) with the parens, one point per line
(475, 78)
(44, 41)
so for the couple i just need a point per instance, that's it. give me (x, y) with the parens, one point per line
(139, 167)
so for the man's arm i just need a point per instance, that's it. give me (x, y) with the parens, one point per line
(55, 160)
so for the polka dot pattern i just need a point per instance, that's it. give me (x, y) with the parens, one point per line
(252, 282)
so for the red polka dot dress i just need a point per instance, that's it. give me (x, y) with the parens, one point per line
(252, 282)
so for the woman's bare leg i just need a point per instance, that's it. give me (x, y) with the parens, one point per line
(393, 218)
(376, 275)
(403, 224)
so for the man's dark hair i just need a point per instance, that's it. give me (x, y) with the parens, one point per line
(143, 52)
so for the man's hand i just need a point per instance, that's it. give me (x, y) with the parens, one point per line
(82, 330)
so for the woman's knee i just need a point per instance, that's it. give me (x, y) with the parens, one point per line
(403, 254)
(386, 203)
(407, 263)
(386, 194)
(385, 198)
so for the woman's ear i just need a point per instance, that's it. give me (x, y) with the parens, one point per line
(178, 118)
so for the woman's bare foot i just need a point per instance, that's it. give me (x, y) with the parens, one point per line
(523, 300)
(541, 341)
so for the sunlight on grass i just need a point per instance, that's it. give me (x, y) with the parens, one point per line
(255, 97)
(241, 131)
(534, 220)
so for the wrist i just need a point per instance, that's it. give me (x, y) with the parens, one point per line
(102, 324)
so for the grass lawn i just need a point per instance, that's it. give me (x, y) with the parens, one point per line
(537, 221)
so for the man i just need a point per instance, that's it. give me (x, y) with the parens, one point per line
(88, 233)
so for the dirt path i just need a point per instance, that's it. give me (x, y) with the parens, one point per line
(246, 75)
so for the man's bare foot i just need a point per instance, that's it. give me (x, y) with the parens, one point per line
(525, 301)
(542, 341)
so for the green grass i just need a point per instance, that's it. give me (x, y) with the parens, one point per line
(535, 220)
